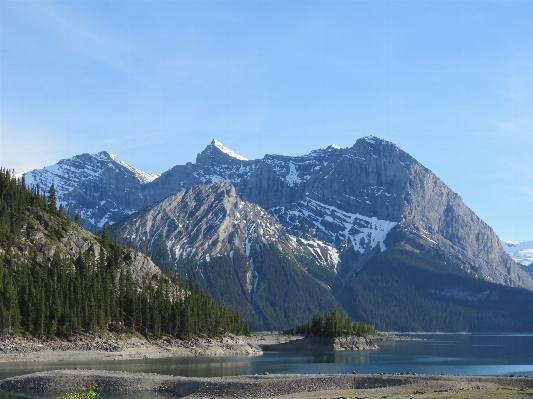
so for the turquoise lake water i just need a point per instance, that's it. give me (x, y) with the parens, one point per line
(456, 354)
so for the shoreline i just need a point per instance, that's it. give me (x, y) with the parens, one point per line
(125, 349)
(137, 348)
(311, 386)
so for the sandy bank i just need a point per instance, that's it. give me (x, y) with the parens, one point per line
(277, 386)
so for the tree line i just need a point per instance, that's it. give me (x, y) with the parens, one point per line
(57, 296)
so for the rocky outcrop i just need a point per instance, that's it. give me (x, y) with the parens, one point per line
(202, 221)
(440, 216)
(344, 343)
(46, 236)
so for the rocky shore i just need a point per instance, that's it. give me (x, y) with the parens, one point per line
(139, 348)
(132, 348)
(276, 386)
(349, 343)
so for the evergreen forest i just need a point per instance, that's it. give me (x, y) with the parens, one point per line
(332, 325)
(47, 294)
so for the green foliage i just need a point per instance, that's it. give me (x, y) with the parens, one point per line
(52, 201)
(333, 325)
(89, 393)
(407, 290)
(286, 293)
(94, 293)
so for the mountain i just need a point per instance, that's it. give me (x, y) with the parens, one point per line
(411, 287)
(244, 257)
(100, 186)
(333, 215)
(58, 281)
(340, 203)
(237, 250)
(521, 253)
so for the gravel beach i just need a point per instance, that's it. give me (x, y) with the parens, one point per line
(311, 386)
(278, 386)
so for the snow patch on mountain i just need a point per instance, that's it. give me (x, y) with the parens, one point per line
(295, 170)
(144, 177)
(67, 173)
(323, 227)
(225, 173)
(521, 252)
(292, 178)
(325, 254)
(227, 151)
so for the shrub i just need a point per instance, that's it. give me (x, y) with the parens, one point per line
(89, 393)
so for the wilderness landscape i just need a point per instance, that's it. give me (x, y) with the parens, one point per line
(366, 230)
(339, 190)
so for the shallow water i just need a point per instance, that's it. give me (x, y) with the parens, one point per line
(457, 354)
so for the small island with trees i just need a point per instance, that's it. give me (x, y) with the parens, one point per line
(332, 332)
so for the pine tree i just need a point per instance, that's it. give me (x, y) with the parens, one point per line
(52, 201)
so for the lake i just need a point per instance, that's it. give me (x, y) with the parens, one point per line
(457, 354)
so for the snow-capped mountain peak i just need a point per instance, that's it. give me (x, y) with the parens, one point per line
(226, 150)
(144, 177)
(521, 252)
(108, 180)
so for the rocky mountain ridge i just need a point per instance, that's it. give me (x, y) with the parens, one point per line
(99, 186)
(234, 248)
(339, 203)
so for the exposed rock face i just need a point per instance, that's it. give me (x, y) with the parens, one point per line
(439, 215)
(346, 343)
(101, 187)
(44, 235)
(207, 219)
(340, 204)
(236, 249)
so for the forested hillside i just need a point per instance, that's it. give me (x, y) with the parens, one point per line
(57, 280)
(408, 288)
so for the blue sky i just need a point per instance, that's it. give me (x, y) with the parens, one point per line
(450, 82)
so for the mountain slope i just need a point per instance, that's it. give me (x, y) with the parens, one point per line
(413, 288)
(237, 250)
(246, 260)
(340, 203)
(100, 186)
(521, 252)
(57, 280)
